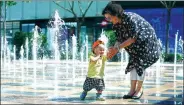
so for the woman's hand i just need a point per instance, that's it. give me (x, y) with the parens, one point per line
(111, 52)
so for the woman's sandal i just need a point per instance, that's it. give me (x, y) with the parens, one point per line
(138, 96)
(128, 96)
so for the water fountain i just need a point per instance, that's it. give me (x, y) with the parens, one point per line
(55, 25)
(43, 67)
(175, 60)
(34, 52)
(84, 63)
(22, 62)
(54, 30)
(27, 54)
(104, 38)
(57, 57)
(180, 43)
(175, 53)
(9, 61)
(66, 46)
(57, 62)
(14, 60)
(158, 67)
(74, 50)
(2, 51)
(86, 45)
(82, 60)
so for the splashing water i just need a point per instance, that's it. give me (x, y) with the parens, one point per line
(180, 43)
(22, 62)
(34, 51)
(103, 37)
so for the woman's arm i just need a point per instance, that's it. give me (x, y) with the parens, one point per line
(114, 50)
(126, 43)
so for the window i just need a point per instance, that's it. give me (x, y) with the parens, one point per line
(16, 24)
(28, 27)
(1, 32)
(11, 28)
(1, 24)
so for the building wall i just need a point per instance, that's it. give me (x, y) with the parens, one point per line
(157, 17)
(39, 9)
(24, 16)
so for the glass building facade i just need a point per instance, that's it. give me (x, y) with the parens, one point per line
(25, 15)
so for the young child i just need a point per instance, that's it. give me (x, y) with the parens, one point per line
(95, 73)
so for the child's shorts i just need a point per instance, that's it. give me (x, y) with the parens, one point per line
(91, 83)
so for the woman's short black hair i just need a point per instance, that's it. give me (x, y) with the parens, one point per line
(113, 9)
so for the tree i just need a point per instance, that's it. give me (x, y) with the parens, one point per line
(169, 5)
(6, 4)
(9, 3)
(19, 40)
(79, 20)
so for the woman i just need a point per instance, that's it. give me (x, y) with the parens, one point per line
(138, 38)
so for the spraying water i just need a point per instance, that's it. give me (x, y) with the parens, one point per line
(74, 50)
(54, 38)
(175, 54)
(14, 57)
(35, 36)
(5, 52)
(103, 37)
(2, 52)
(27, 51)
(9, 61)
(22, 62)
(180, 43)
(66, 46)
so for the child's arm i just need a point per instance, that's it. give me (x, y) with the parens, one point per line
(92, 58)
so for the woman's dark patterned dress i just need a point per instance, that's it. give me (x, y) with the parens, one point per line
(146, 49)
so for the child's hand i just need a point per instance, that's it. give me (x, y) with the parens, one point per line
(95, 58)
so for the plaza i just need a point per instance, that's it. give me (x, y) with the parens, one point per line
(159, 88)
(45, 54)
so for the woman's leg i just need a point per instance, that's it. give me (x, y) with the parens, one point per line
(132, 88)
(133, 78)
(139, 89)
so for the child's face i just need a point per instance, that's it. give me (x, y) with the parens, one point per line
(99, 50)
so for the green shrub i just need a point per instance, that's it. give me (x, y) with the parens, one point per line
(19, 40)
(170, 57)
(112, 39)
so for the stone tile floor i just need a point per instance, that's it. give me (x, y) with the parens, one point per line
(162, 89)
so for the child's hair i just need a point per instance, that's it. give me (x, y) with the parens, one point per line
(96, 43)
